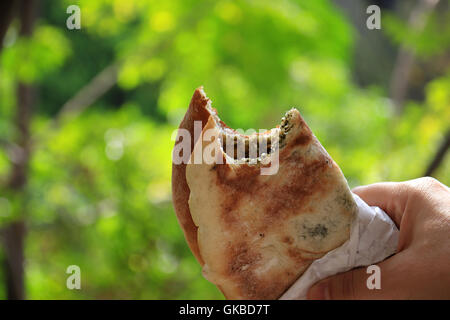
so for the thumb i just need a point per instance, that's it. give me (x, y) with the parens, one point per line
(362, 283)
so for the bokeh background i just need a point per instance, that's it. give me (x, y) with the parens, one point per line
(86, 118)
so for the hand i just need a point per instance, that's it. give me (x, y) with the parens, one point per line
(421, 267)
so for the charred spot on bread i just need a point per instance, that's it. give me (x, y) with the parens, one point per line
(319, 230)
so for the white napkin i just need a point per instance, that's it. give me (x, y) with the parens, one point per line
(373, 238)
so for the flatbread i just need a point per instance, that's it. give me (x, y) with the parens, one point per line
(256, 234)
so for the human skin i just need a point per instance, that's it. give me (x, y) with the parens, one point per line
(421, 267)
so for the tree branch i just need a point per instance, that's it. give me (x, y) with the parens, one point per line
(91, 92)
(107, 78)
(406, 56)
(439, 156)
(14, 232)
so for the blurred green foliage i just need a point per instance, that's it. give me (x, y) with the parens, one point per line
(99, 191)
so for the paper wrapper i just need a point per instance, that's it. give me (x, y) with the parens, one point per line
(373, 238)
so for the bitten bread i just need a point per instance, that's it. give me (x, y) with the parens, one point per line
(255, 234)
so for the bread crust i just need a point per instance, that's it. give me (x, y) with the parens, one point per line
(197, 111)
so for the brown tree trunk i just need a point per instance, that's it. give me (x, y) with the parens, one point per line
(14, 233)
(439, 156)
(14, 236)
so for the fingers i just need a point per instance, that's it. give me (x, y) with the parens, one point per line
(361, 283)
(343, 286)
(404, 275)
(395, 197)
(392, 197)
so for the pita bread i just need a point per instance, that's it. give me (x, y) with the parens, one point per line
(256, 234)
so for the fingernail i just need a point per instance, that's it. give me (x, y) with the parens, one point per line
(320, 291)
